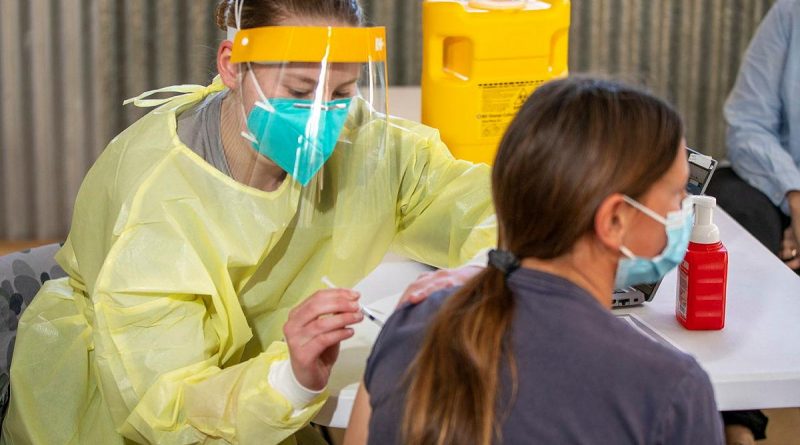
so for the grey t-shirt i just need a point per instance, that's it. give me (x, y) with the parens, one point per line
(584, 377)
(199, 129)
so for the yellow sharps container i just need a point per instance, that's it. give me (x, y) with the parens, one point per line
(481, 60)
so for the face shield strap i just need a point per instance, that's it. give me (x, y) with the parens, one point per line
(232, 33)
(237, 17)
(264, 101)
(237, 12)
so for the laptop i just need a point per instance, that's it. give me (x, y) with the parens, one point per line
(701, 168)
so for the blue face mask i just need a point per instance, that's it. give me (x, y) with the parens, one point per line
(638, 270)
(298, 135)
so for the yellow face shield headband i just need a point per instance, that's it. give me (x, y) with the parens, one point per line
(309, 44)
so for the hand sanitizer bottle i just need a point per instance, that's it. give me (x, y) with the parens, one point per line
(703, 273)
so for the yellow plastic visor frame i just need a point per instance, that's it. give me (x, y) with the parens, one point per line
(310, 44)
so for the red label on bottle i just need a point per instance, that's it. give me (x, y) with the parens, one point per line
(702, 286)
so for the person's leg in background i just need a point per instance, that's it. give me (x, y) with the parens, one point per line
(749, 207)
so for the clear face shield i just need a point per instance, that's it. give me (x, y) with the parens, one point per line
(307, 93)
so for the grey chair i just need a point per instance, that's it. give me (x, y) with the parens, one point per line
(21, 276)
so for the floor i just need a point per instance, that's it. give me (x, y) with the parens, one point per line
(783, 427)
(7, 247)
(784, 424)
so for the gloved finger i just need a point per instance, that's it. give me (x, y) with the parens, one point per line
(295, 330)
(319, 344)
(415, 294)
(332, 323)
(416, 291)
(411, 290)
(429, 288)
(432, 288)
(324, 302)
(425, 274)
(415, 287)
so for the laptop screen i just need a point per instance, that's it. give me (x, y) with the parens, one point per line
(701, 168)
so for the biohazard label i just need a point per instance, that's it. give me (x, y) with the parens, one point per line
(500, 102)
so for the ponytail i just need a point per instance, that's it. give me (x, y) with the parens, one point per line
(455, 378)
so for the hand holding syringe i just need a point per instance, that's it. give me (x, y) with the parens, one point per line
(369, 313)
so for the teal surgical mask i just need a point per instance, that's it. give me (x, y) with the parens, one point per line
(638, 270)
(298, 135)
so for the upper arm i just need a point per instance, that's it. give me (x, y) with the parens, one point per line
(445, 211)
(755, 101)
(757, 110)
(358, 427)
(692, 415)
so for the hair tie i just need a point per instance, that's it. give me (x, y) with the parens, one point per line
(504, 261)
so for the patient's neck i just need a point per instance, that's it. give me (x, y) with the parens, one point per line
(588, 265)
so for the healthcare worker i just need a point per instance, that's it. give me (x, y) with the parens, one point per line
(528, 352)
(201, 234)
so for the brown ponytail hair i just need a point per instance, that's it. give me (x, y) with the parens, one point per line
(574, 142)
(257, 13)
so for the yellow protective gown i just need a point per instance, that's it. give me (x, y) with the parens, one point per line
(180, 281)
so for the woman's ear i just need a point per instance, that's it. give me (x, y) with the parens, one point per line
(228, 71)
(612, 221)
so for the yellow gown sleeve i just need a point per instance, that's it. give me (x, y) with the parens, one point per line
(169, 364)
(445, 212)
(168, 329)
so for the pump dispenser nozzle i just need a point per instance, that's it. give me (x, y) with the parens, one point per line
(704, 230)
